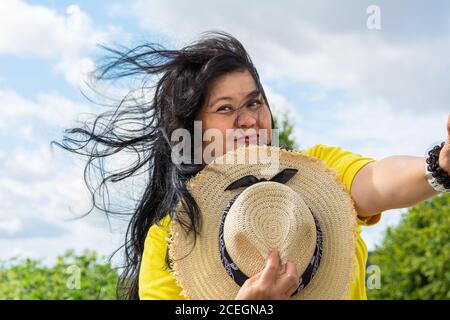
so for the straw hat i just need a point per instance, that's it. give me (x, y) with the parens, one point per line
(282, 200)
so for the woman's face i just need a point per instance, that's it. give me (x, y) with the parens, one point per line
(237, 111)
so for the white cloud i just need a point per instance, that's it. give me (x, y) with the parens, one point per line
(30, 164)
(47, 108)
(374, 128)
(10, 226)
(41, 190)
(47, 188)
(332, 47)
(76, 70)
(36, 30)
(371, 128)
(40, 194)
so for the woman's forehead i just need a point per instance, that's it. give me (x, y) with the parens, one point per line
(234, 85)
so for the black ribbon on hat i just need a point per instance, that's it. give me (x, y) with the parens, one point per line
(282, 177)
(231, 268)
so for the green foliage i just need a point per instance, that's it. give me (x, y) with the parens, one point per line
(414, 257)
(84, 276)
(285, 128)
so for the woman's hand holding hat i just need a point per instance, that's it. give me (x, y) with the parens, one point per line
(270, 284)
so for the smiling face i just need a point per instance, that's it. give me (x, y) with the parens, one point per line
(235, 108)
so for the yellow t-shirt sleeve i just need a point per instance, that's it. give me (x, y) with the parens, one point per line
(347, 164)
(155, 280)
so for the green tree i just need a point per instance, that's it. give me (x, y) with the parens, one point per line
(414, 257)
(83, 276)
(285, 128)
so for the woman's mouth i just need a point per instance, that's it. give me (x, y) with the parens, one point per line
(252, 139)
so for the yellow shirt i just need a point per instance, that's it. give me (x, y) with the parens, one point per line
(156, 281)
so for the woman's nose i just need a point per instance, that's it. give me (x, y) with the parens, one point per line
(245, 120)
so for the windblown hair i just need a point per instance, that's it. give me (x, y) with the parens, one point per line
(180, 85)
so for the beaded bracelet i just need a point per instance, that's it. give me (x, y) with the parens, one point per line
(436, 176)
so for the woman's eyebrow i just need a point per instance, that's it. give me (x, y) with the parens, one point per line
(251, 94)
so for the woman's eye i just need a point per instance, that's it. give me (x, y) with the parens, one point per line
(225, 109)
(255, 103)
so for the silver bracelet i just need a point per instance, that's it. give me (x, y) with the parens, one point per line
(433, 182)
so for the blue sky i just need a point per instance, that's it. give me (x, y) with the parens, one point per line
(374, 92)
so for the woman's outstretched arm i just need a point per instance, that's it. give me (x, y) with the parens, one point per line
(395, 182)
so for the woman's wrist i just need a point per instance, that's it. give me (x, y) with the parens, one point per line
(438, 178)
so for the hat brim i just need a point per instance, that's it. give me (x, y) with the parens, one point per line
(198, 269)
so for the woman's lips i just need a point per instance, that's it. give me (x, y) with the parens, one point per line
(248, 139)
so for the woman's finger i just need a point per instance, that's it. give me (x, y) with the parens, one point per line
(270, 271)
(291, 268)
(288, 281)
(256, 276)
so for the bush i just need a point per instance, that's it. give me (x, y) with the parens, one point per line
(414, 257)
(84, 276)
(285, 128)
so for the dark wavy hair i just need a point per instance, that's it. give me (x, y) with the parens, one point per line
(178, 80)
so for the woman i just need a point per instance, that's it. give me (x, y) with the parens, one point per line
(214, 82)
